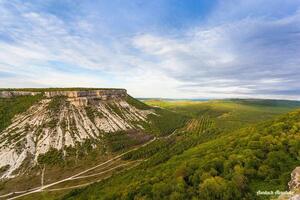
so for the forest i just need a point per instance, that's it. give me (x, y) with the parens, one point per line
(214, 161)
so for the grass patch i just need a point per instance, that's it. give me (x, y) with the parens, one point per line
(136, 103)
(121, 140)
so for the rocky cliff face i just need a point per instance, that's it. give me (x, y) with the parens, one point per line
(102, 94)
(61, 120)
(10, 94)
(295, 179)
(294, 186)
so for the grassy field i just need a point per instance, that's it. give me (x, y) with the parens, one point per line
(98, 174)
(229, 114)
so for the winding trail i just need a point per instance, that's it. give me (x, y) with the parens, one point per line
(82, 185)
(76, 176)
(108, 170)
(42, 176)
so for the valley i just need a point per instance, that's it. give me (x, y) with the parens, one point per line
(149, 100)
(226, 161)
(79, 144)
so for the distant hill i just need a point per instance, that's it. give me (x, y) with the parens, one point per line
(170, 99)
(267, 102)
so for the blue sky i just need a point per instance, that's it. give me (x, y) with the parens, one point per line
(158, 48)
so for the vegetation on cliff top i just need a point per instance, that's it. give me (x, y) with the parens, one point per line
(136, 103)
(12, 106)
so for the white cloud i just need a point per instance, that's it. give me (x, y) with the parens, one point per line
(251, 56)
(232, 55)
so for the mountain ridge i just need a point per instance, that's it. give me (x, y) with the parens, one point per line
(61, 120)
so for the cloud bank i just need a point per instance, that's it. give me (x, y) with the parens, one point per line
(237, 49)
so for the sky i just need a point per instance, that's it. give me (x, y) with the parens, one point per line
(158, 48)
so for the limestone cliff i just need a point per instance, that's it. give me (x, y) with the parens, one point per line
(92, 93)
(62, 119)
(10, 94)
(103, 94)
(294, 186)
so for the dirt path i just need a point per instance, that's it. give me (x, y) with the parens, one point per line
(42, 176)
(43, 187)
(168, 136)
(108, 170)
(82, 185)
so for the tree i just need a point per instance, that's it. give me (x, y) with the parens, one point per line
(214, 188)
(161, 190)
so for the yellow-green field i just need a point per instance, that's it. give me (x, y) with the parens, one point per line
(227, 114)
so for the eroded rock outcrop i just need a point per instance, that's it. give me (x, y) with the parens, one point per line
(103, 94)
(294, 186)
(62, 119)
(10, 94)
(295, 179)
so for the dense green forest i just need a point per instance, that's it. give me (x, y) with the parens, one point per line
(9, 107)
(222, 149)
(209, 160)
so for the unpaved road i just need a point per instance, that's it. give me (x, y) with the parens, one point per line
(43, 187)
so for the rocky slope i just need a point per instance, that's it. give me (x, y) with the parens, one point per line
(63, 119)
(294, 184)
(294, 187)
